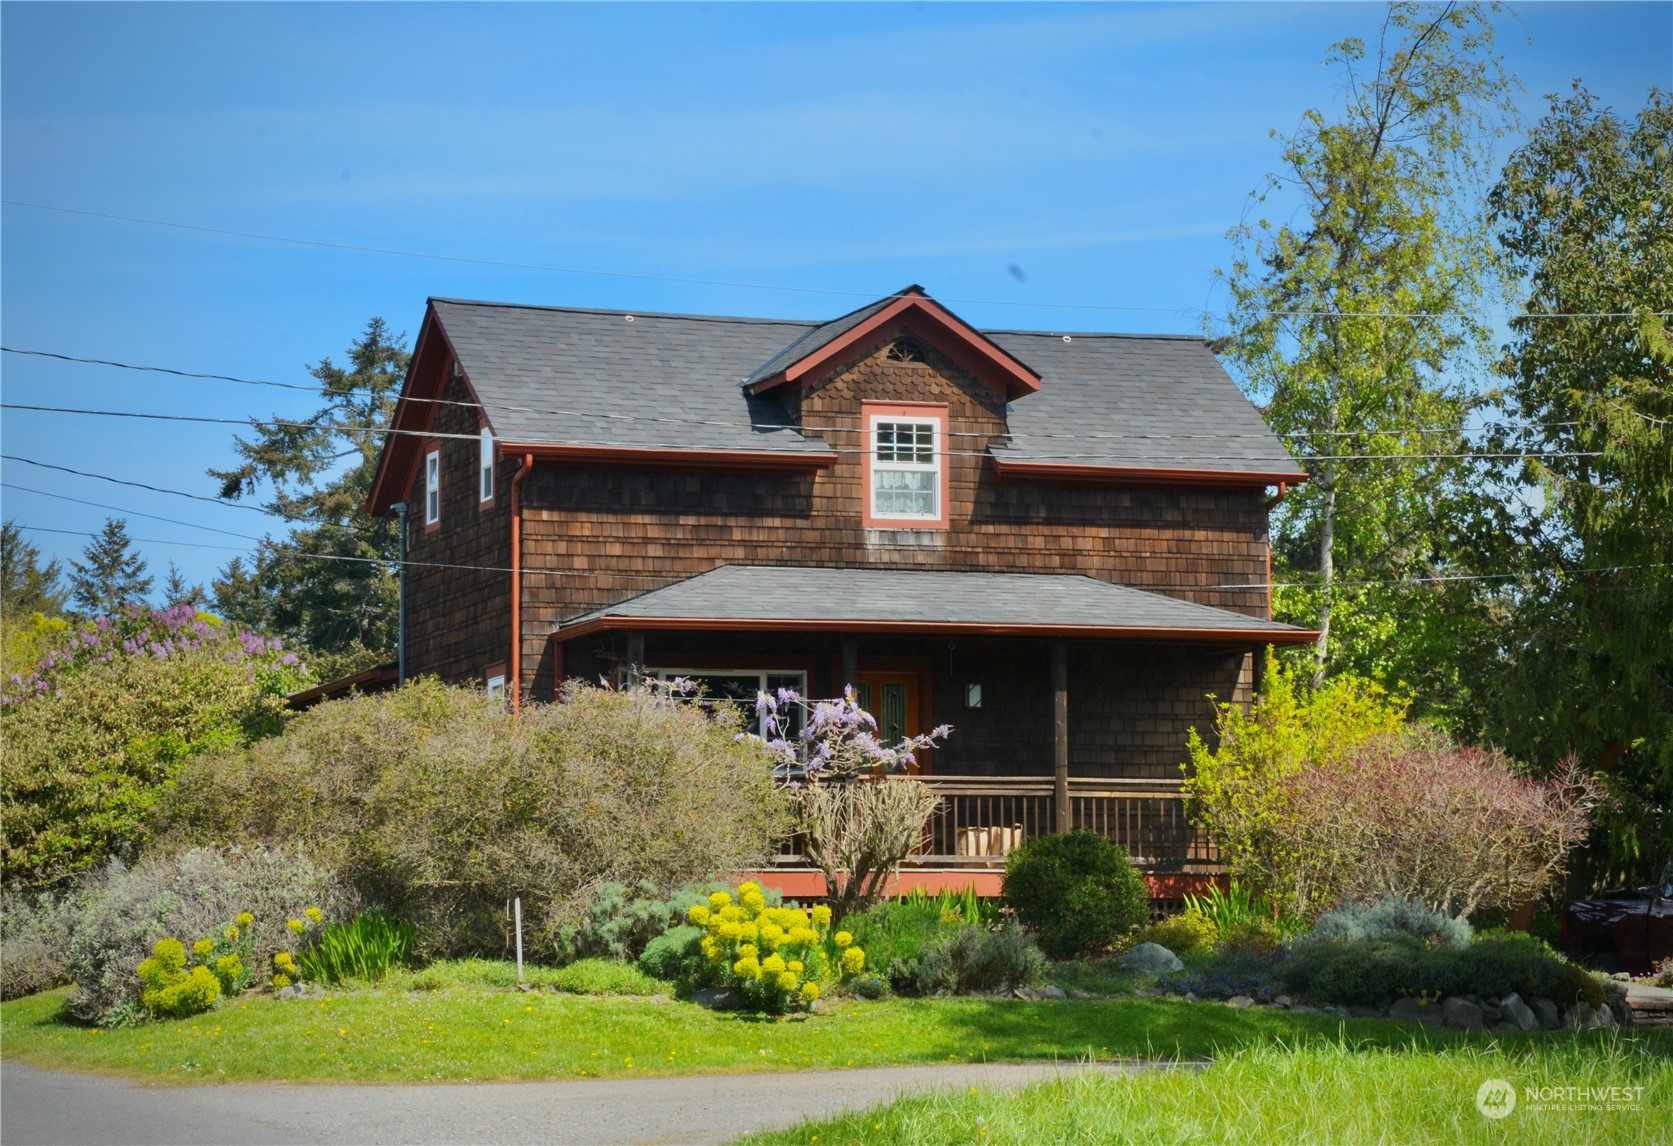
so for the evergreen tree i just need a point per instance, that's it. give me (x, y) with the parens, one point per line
(113, 574)
(177, 592)
(330, 585)
(27, 586)
(1351, 323)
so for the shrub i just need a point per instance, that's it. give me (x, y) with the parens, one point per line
(191, 894)
(895, 933)
(964, 960)
(363, 948)
(676, 955)
(1076, 892)
(1370, 972)
(1236, 906)
(1424, 820)
(35, 931)
(775, 958)
(1236, 788)
(96, 731)
(1187, 933)
(171, 989)
(621, 921)
(1388, 917)
(440, 807)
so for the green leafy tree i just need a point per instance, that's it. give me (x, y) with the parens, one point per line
(113, 574)
(1239, 789)
(330, 584)
(1348, 321)
(1584, 211)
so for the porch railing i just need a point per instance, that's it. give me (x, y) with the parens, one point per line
(981, 818)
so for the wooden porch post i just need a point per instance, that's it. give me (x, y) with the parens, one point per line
(1060, 698)
(850, 661)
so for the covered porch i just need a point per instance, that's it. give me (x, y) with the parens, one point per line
(1070, 698)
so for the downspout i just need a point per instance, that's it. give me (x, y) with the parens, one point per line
(514, 667)
(400, 509)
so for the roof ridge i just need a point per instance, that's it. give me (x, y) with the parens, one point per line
(731, 318)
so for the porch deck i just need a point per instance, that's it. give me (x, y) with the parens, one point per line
(981, 818)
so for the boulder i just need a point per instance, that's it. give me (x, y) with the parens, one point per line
(1240, 1001)
(1604, 1017)
(1410, 1010)
(1461, 1014)
(1550, 1015)
(1055, 992)
(1580, 1017)
(1518, 1014)
(1152, 959)
(716, 998)
(1283, 1001)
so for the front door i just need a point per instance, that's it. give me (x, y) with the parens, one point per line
(893, 701)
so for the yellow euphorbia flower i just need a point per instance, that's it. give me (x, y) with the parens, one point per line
(203, 947)
(245, 919)
(296, 925)
(821, 915)
(313, 913)
(853, 961)
(786, 981)
(719, 900)
(842, 938)
(698, 914)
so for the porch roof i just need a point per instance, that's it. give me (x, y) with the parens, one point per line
(803, 598)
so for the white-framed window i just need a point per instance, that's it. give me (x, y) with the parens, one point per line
(496, 686)
(432, 487)
(486, 465)
(739, 686)
(905, 468)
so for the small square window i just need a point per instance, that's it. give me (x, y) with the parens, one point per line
(432, 487)
(496, 687)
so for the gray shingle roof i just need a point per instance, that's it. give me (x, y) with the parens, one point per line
(925, 597)
(820, 336)
(558, 376)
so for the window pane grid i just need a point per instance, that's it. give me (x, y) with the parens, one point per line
(905, 478)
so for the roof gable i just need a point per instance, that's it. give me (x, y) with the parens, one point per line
(826, 346)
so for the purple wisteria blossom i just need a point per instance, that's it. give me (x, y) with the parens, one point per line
(838, 739)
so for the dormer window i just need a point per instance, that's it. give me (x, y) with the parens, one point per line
(906, 470)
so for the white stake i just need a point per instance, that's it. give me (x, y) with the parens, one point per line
(518, 908)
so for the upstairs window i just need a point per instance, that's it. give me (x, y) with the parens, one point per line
(906, 471)
(432, 487)
(486, 465)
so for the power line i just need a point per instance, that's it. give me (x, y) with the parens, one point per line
(143, 485)
(735, 285)
(1031, 456)
(654, 418)
(130, 512)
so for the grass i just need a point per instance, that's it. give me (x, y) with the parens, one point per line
(475, 1034)
(583, 977)
(1329, 1092)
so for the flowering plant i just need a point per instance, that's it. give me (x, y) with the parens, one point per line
(176, 987)
(774, 957)
(859, 822)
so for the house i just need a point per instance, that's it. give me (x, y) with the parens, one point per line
(1055, 542)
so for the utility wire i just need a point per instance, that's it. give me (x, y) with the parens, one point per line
(142, 485)
(642, 418)
(130, 512)
(1030, 456)
(639, 276)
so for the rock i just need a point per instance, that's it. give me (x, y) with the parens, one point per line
(1055, 992)
(289, 992)
(1580, 1016)
(1188, 997)
(1490, 1012)
(1283, 1001)
(1240, 1001)
(1550, 1016)
(1028, 993)
(1336, 1012)
(1152, 959)
(1410, 1010)
(1604, 1017)
(1461, 1014)
(716, 998)
(525, 986)
(657, 999)
(1518, 1015)
(1303, 1009)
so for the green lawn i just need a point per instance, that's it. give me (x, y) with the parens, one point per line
(458, 1034)
(1323, 1092)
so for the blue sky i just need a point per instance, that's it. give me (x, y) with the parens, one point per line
(843, 150)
